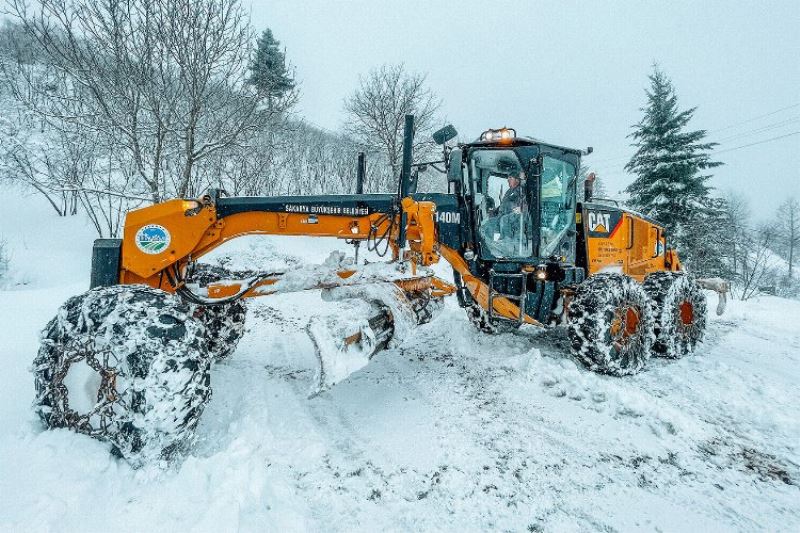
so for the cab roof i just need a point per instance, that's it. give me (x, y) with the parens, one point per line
(520, 141)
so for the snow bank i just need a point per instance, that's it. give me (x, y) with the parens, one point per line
(45, 250)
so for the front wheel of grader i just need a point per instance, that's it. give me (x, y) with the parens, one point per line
(610, 324)
(127, 365)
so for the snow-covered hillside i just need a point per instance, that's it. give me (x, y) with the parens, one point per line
(452, 430)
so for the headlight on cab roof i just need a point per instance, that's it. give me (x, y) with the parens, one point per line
(499, 135)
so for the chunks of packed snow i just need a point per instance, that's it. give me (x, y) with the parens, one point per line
(327, 274)
(339, 358)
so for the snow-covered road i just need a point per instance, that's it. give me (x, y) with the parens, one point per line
(451, 430)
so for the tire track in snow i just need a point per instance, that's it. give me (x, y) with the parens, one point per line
(496, 424)
(499, 428)
(347, 453)
(487, 386)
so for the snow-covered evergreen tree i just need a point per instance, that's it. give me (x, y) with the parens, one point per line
(268, 71)
(708, 247)
(670, 185)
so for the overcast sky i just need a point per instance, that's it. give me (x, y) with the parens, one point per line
(571, 73)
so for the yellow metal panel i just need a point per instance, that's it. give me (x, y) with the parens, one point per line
(184, 227)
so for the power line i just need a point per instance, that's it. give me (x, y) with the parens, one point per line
(602, 169)
(759, 142)
(724, 128)
(755, 118)
(760, 129)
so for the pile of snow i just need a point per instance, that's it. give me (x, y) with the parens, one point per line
(44, 250)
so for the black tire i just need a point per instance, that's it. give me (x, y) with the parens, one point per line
(425, 306)
(481, 321)
(225, 323)
(679, 310)
(127, 365)
(610, 324)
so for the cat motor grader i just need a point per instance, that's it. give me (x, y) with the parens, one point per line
(129, 361)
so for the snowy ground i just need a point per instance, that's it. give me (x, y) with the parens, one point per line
(451, 430)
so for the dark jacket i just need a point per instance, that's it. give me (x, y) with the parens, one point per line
(512, 198)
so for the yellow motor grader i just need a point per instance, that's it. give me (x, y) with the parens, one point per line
(129, 360)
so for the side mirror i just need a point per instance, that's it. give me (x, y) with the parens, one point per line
(455, 174)
(588, 187)
(445, 134)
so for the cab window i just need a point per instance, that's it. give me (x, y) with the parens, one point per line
(557, 203)
(502, 204)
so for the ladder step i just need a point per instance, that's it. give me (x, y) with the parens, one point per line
(520, 299)
(509, 296)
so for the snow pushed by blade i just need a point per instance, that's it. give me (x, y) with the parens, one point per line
(327, 274)
(338, 358)
(387, 295)
(345, 343)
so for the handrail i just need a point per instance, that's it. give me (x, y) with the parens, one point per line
(630, 231)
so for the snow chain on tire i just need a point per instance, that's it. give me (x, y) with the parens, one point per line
(480, 319)
(424, 306)
(127, 365)
(610, 324)
(679, 310)
(225, 322)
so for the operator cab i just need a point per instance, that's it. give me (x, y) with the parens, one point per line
(522, 196)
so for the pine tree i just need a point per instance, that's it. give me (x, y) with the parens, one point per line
(709, 246)
(269, 73)
(668, 162)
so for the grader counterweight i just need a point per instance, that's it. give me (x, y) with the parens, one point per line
(522, 248)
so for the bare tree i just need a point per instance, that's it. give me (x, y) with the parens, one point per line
(376, 114)
(757, 268)
(750, 262)
(164, 78)
(292, 157)
(788, 230)
(43, 162)
(736, 223)
(15, 42)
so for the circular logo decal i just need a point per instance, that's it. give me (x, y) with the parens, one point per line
(152, 239)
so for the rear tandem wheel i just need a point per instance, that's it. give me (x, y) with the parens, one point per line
(679, 311)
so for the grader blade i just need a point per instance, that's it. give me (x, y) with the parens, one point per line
(371, 317)
(345, 345)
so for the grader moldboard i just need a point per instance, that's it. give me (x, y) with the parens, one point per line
(129, 361)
